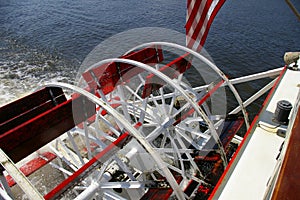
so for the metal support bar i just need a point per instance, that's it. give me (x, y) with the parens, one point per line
(19, 177)
(4, 195)
(252, 77)
(292, 7)
(255, 96)
(250, 100)
(4, 184)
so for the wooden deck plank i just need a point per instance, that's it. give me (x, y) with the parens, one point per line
(288, 181)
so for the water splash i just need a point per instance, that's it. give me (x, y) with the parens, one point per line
(23, 69)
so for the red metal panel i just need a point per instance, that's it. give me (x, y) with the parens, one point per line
(231, 127)
(43, 128)
(108, 75)
(25, 108)
(158, 193)
(15, 121)
(103, 112)
(148, 56)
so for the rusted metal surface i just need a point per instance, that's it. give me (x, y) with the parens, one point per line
(288, 183)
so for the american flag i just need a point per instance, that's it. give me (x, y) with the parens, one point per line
(200, 15)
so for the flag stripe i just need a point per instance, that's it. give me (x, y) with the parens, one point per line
(197, 17)
(201, 23)
(192, 15)
(200, 15)
(213, 14)
(188, 6)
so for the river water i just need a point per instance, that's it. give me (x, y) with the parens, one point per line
(48, 40)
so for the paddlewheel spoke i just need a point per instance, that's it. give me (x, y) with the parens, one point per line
(135, 128)
(168, 122)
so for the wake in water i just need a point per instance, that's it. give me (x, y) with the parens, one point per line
(23, 69)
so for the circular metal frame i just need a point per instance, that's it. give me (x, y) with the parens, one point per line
(209, 63)
(118, 117)
(165, 78)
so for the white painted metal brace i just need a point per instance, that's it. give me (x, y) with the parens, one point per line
(19, 177)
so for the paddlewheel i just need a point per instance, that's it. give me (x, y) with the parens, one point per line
(136, 130)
